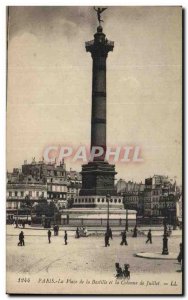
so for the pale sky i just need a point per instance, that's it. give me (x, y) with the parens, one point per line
(49, 84)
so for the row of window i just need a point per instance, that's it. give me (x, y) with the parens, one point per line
(12, 205)
(57, 188)
(55, 173)
(131, 199)
(157, 199)
(57, 196)
(30, 193)
(156, 192)
(55, 180)
(160, 205)
(168, 205)
(99, 200)
(71, 190)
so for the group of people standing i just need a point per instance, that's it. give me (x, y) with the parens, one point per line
(122, 272)
(81, 231)
(108, 235)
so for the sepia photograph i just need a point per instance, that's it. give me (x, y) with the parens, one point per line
(94, 187)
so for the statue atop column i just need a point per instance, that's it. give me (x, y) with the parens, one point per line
(99, 11)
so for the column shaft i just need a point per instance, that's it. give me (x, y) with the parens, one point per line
(98, 121)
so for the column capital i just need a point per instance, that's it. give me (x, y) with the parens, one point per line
(100, 46)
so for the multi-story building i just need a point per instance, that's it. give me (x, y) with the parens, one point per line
(161, 198)
(41, 170)
(158, 197)
(57, 191)
(132, 193)
(74, 183)
(54, 176)
(14, 175)
(52, 180)
(17, 191)
(152, 194)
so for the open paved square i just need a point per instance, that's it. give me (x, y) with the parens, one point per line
(85, 256)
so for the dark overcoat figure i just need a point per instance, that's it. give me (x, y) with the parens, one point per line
(179, 258)
(77, 233)
(119, 272)
(65, 237)
(49, 236)
(55, 230)
(21, 239)
(135, 231)
(126, 271)
(124, 238)
(149, 236)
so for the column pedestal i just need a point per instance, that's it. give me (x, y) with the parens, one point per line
(98, 179)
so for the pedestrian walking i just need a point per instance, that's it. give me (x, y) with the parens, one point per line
(49, 236)
(149, 236)
(65, 237)
(21, 239)
(124, 238)
(135, 231)
(106, 239)
(179, 258)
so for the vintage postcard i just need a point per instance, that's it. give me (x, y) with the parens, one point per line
(94, 194)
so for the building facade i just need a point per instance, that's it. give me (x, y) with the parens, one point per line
(16, 196)
(39, 180)
(132, 193)
(74, 184)
(161, 198)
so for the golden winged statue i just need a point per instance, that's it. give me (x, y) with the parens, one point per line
(99, 11)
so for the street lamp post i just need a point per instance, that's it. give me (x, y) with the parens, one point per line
(54, 216)
(28, 204)
(108, 212)
(165, 238)
(126, 221)
(17, 215)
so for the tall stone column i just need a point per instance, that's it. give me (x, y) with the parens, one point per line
(98, 176)
(99, 49)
